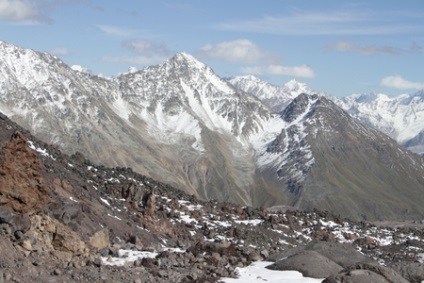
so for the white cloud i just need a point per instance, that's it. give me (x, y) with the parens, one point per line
(32, 11)
(374, 49)
(141, 46)
(302, 71)
(349, 22)
(240, 50)
(21, 11)
(400, 83)
(60, 51)
(364, 49)
(116, 31)
(138, 60)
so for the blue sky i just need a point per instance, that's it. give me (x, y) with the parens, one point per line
(340, 47)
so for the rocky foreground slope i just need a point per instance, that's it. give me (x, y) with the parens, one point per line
(63, 219)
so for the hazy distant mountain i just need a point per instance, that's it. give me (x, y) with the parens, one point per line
(180, 123)
(400, 117)
(276, 97)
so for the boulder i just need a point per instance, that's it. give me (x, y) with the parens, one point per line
(100, 239)
(309, 263)
(343, 254)
(366, 273)
(412, 271)
(8, 254)
(64, 239)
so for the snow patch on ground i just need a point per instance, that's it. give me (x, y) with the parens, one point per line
(127, 256)
(256, 272)
(253, 222)
(41, 151)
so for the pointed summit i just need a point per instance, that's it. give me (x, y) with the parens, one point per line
(297, 87)
(187, 60)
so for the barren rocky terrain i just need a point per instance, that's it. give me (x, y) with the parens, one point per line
(64, 219)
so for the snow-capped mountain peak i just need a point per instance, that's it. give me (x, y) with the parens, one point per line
(297, 87)
(400, 117)
(181, 123)
(276, 97)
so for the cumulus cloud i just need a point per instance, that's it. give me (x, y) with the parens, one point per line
(400, 83)
(21, 11)
(240, 50)
(302, 71)
(141, 46)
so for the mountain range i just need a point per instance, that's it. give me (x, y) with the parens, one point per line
(400, 117)
(232, 140)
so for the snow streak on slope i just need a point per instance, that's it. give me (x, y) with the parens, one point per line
(287, 143)
(189, 96)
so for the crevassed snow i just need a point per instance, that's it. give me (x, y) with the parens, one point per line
(256, 272)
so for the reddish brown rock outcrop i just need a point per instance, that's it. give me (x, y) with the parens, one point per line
(22, 185)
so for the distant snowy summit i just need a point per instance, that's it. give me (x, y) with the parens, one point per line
(276, 97)
(401, 117)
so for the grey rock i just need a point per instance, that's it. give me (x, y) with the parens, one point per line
(366, 273)
(412, 271)
(343, 254)
(264, 253)
(309, 263)
(254, 256)
(5, 216)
